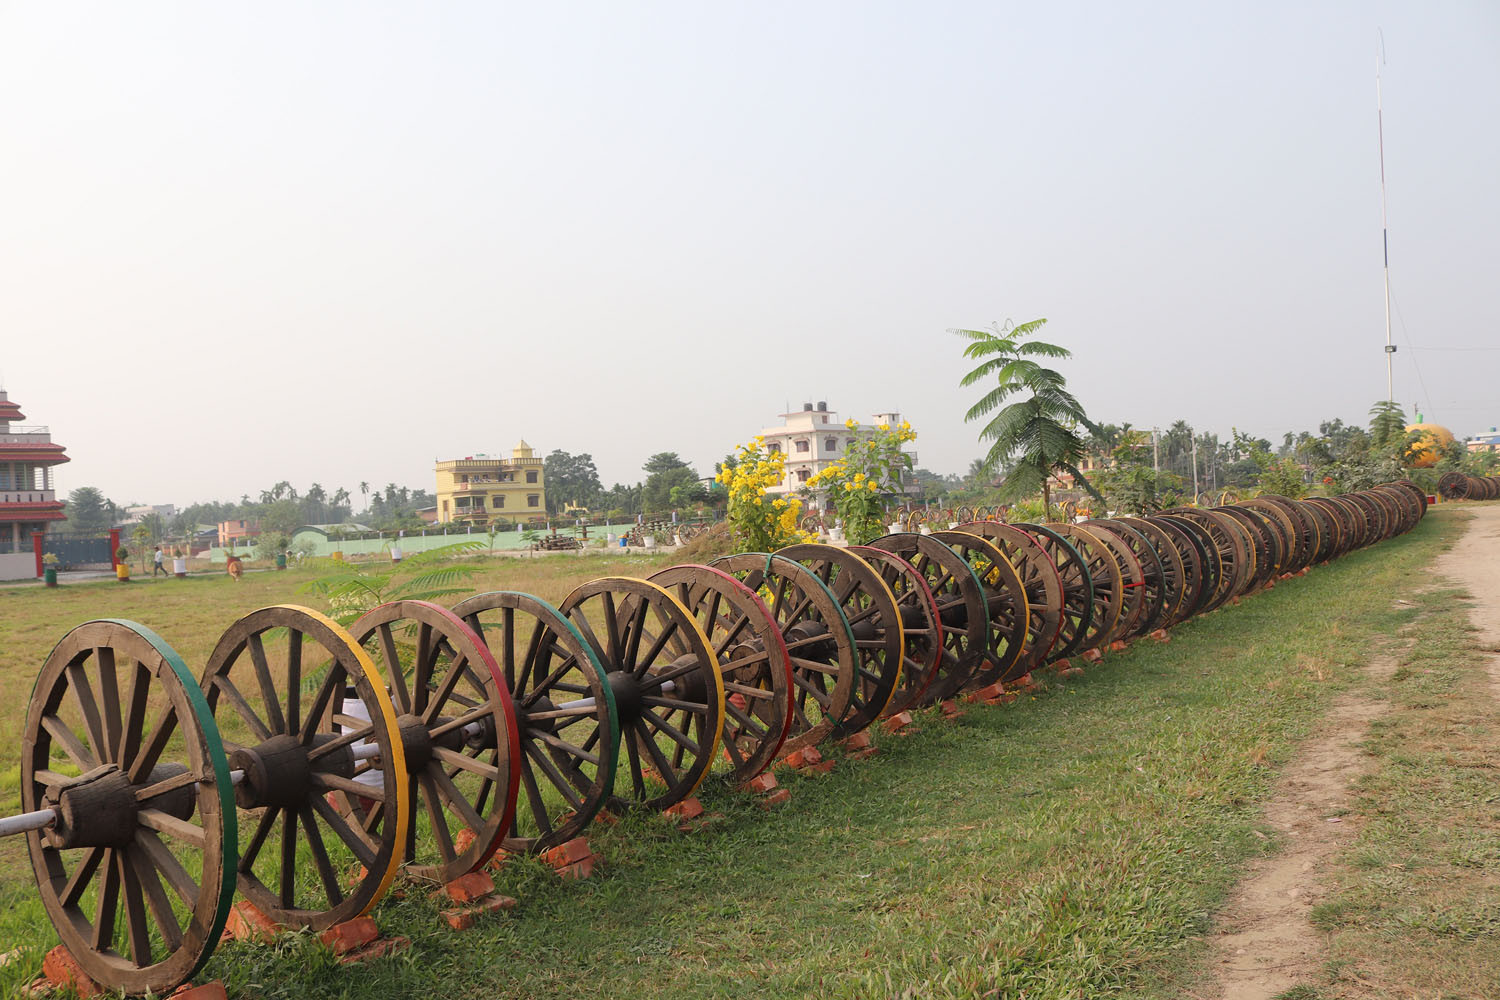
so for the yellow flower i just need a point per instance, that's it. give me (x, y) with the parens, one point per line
(851, 423)
(870, 486)
(859, 477)
(848, 487)
(778, 503)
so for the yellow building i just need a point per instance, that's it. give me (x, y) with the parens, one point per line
(479, 489)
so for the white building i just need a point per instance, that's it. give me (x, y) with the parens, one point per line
(813, 438)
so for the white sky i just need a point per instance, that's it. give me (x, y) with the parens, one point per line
(334, 242)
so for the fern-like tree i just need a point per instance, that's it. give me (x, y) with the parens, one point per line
(1388, 426)
(1033, 436)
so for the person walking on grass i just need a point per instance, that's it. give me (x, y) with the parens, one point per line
(159, 567)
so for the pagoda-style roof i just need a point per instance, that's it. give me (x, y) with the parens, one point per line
(46, 511)
(10, 411)
(31, 451)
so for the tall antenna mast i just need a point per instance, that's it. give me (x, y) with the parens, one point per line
(1390, 348)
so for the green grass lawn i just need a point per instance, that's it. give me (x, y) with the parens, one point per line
(1073, 844)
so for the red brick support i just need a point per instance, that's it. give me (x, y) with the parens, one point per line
(114, 546)
(36, 544)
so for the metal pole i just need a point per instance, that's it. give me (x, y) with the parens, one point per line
(1155, 451)
(1385, 239)
(1195, 468)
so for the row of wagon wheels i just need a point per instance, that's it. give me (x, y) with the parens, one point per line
(1457, 486)
(307, 764)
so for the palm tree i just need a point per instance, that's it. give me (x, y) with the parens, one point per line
(1036, 432)
(364, 489)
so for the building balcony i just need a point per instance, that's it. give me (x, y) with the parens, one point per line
(26, 434)
(28, 496)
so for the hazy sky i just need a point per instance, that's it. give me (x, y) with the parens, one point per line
(334, 242)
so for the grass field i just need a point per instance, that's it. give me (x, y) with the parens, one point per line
(1073, 844)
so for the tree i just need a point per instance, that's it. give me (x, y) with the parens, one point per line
(1037, 432)
(89, 512)
(663, 461)
(364, 491)
(1388, 426)
(659, 486)
(571, 479)
(283, 517)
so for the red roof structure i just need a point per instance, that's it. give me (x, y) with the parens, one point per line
(28, 500)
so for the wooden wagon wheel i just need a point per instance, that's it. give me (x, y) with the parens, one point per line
(1150, 588)
(1354, 522)
(1291, 531)
(1414, 490)
(1232, 545)
(1304, 529)
(1262, 549)
(1386, 516)
(1328, 531)
(1078, 589)
(825, 659)
(459, 734)
(1005, 603)
(962, 609)
(1108, 583)
(1132, 581)
(145, 830)
(870, 609)
(305, 714)
(1454, 486)
(1408, 502)
(921, 625)
(1175, 588)
(567, 725)
(1200, 559)
(1275, 534)
(1041, 582)
(668, 693)
(753, 661)
(1333, 519)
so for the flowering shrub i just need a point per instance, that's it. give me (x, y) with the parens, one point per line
(760, 523)
(864, 480)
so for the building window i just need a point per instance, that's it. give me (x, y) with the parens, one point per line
(832, 444)
(801, 446)
(802, 475)
(461, 502)
(773, 448)
(531, 475)
(498, 500)
(464, 478)
(848, 443)
(533, 500)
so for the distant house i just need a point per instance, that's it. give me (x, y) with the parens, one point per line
(238, 532)
(1489, 441)
(478, 489)
(813, 439)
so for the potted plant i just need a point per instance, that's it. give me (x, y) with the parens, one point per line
(179, 562)
(49, 569)
(122, 567)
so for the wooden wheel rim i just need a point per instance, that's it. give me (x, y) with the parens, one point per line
(921, 627)
(327, 720)
(631, 649)
(1207, 554)
(870, 609)
(1078, 589)
(1174, 586)
(1107, 580)
(1132, 579)
(1005, 602)
(797, 596)
(485, 702)
(117, 724)
(1152, 584)
(757, 669)
(537, 671)
(961, 608)
(1039, 579)
(1262, 549)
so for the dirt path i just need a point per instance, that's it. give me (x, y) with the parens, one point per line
(1266, 943)
(1474, 564)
